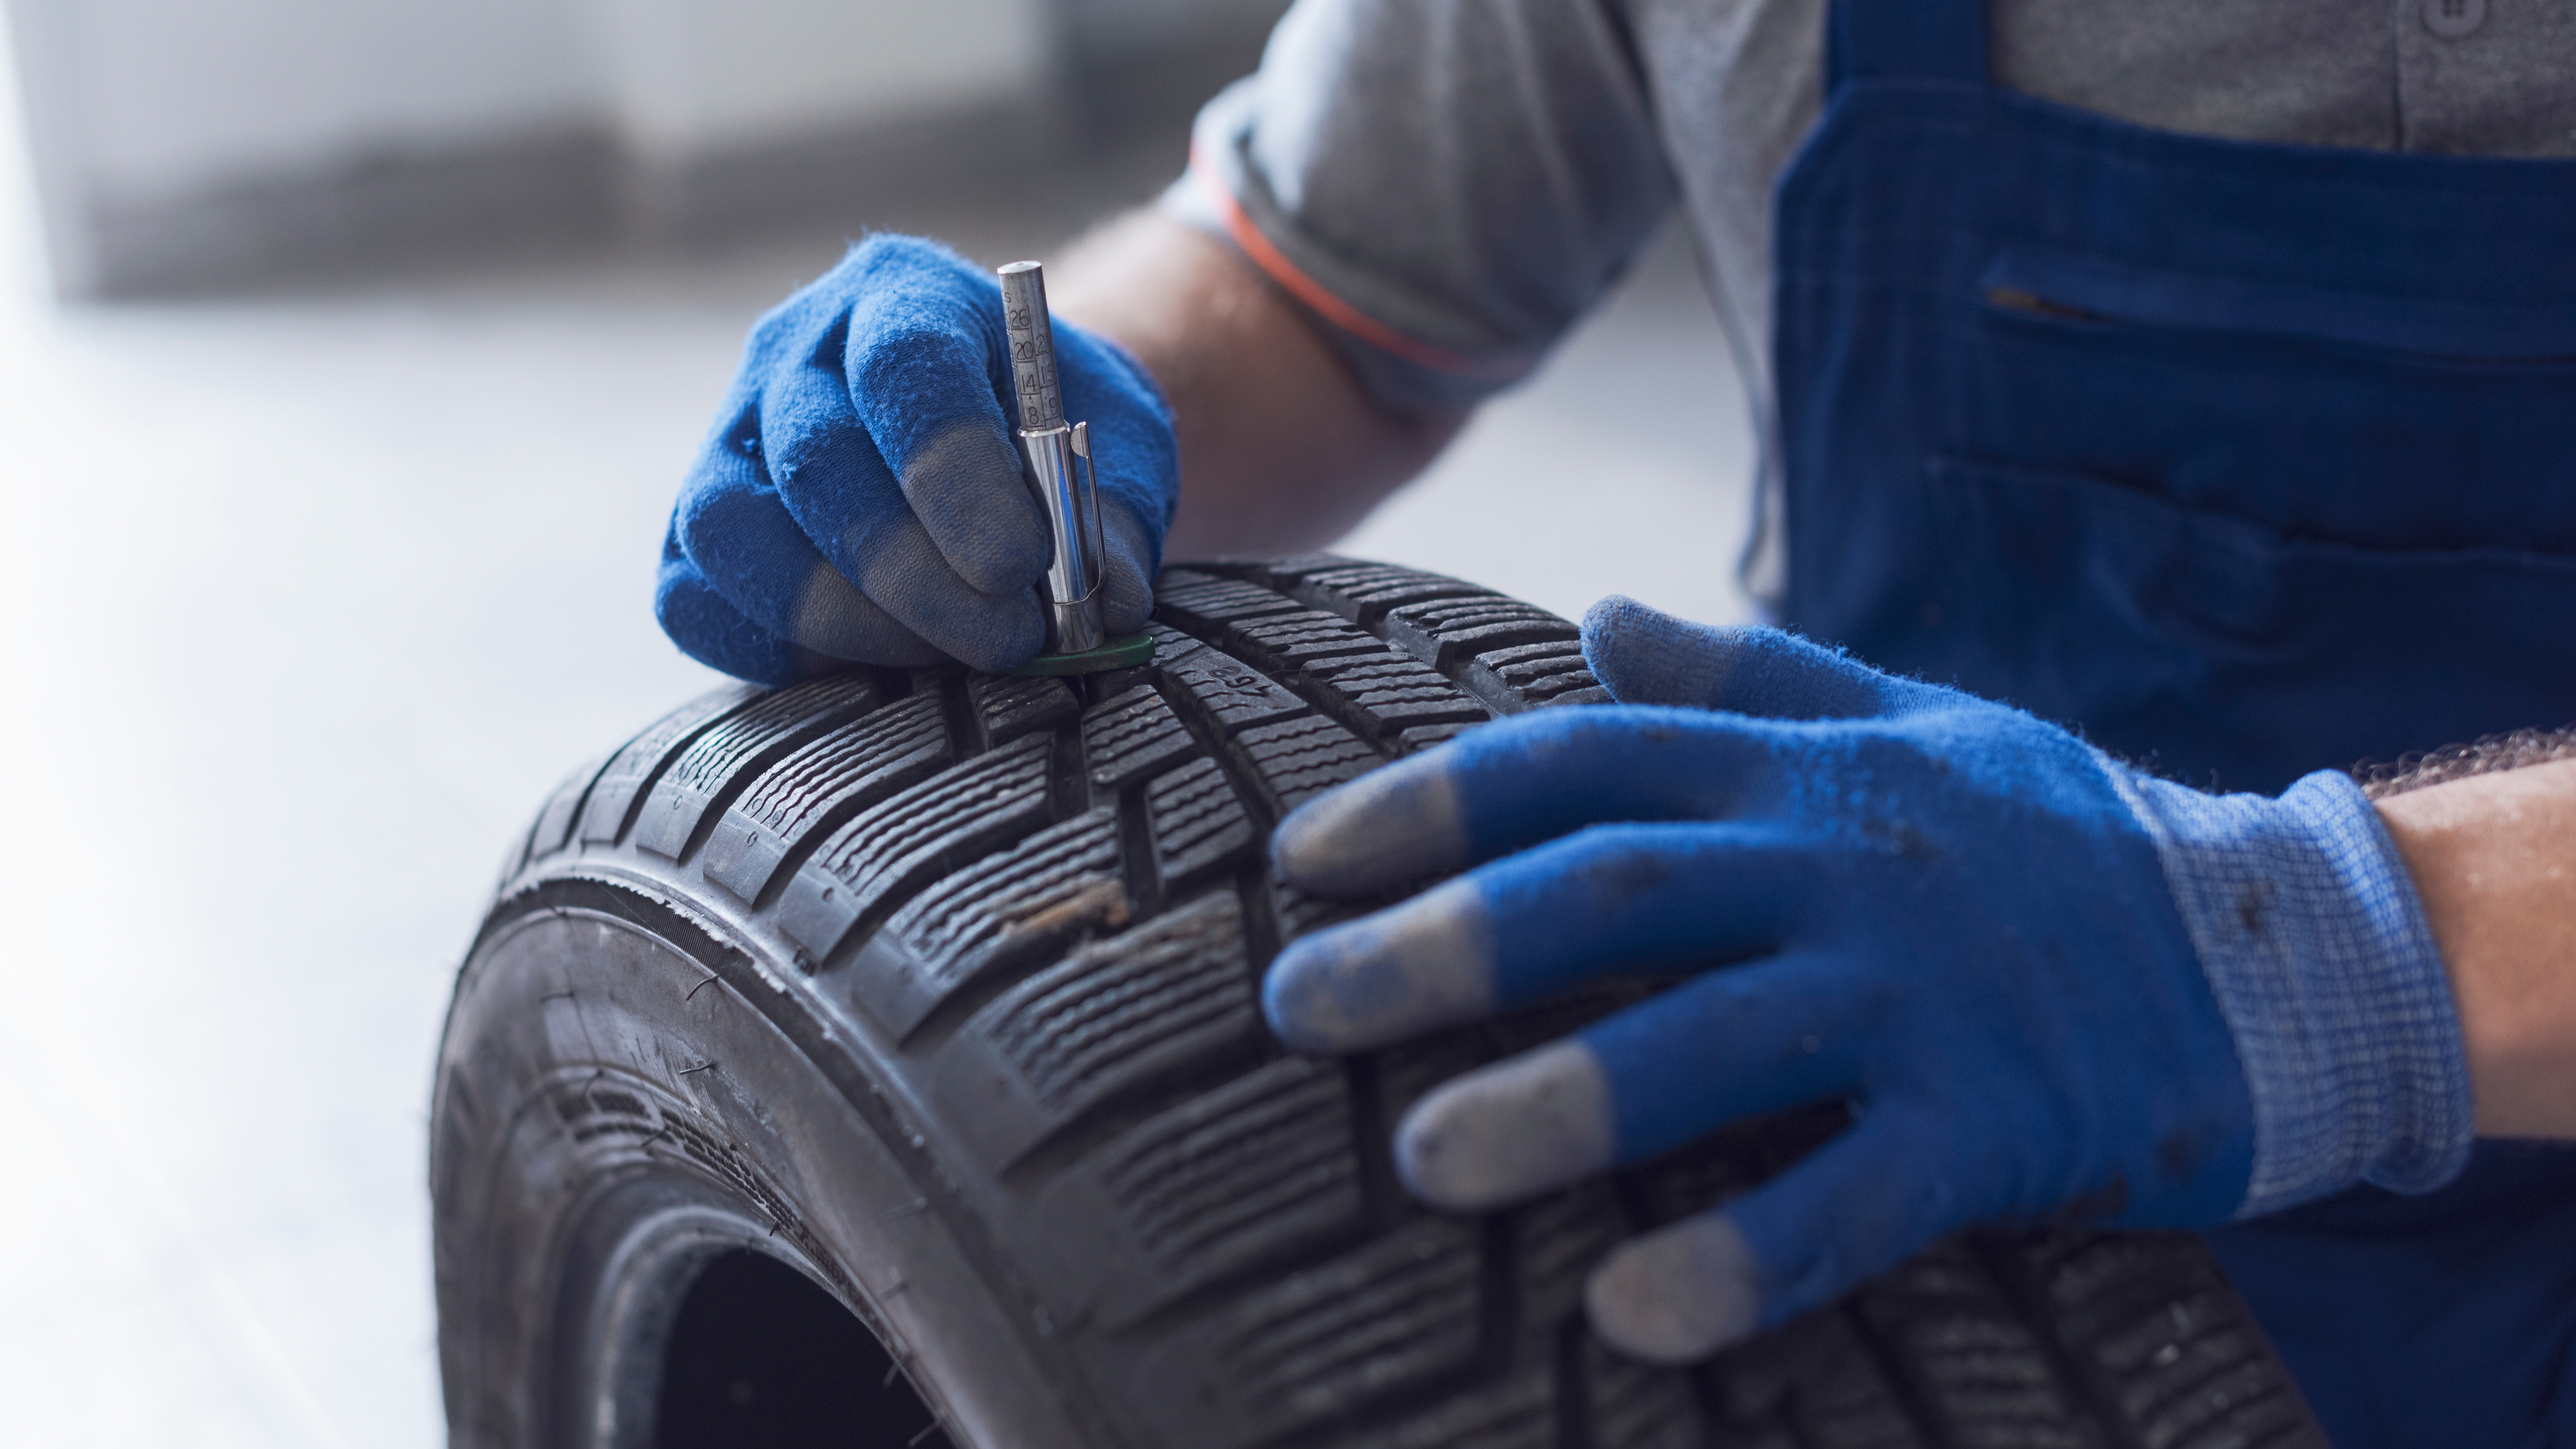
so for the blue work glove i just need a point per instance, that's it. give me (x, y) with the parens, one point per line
(860, 498)
(2047, 984)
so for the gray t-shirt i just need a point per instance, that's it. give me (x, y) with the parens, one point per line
(1448, 185)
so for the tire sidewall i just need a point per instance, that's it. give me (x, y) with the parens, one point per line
(619, 1100)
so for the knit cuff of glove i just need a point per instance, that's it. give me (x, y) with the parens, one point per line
(2325, 967)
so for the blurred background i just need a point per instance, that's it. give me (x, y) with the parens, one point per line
(350, 353)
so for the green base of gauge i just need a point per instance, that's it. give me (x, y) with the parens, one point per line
(1124, 652)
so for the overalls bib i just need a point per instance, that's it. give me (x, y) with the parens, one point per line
(2246, 460)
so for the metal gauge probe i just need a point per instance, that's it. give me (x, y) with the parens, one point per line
(1056, 463)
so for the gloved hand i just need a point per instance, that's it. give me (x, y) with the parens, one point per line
(2048, 984)
(860, 498)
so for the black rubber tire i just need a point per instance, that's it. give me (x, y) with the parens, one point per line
(940, 990)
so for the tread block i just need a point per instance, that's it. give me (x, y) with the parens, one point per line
(1228, 694)
(1325, 1341)
(1557, 1241)
(1296, 761)
(1005, 910)
(1408, 1071)
(1423, 737)
(633, 769)
(1450, 632)
(820, 784)
(1518, 1412)
(1362, 592)
(739, 746)
(1628, 1405)
(1814, 1381)
(1538, 673)
(552, 829)
(1204, 602)
(1129, 735)
(1260, 1167)
(2149, 1321)
(1172, 993)
(913, 836)
(1300, 639)
(1298, 913)
(1394, 693)
(1006, 708)
(1977, 1369)
(1197, 823)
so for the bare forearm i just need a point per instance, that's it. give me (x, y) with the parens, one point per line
(1280, 450)
(2494, 859)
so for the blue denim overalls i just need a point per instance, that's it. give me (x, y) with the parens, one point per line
(2247, 460)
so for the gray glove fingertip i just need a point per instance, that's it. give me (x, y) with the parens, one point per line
(1386, 828)
(1676, 1296)
(1643, 655)
(1127, 584)
(1510, 1131)
(1408, 969)
(966, 488)
(830, 617)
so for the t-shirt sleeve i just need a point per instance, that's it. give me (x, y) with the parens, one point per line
(1444, 186)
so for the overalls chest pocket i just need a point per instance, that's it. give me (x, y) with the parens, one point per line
(2303, 527)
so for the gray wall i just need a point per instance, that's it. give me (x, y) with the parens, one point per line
(191, 144)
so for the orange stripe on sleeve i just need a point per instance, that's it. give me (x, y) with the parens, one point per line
(1275, 265)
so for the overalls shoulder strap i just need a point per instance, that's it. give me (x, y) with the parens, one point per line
(1923, 40)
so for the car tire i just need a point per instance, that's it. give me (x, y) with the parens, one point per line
(879, 1062)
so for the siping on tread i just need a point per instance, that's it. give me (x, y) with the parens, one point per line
(1045, 901)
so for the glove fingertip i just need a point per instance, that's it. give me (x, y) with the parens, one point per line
(1508, 1132)
(1426, 963)
(1383, 830)
(1677, 1296)
(1643, 655)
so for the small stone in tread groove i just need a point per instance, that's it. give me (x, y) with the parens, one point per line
(1007, 707)
(1002, 911)
(1198, 823)
(896, 844)
(830, 777)
(1129, 735)
(1301, 759)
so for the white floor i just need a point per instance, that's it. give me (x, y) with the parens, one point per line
(307, 601)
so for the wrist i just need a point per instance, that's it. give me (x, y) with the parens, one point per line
(2324, 965)
(2489, 856)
